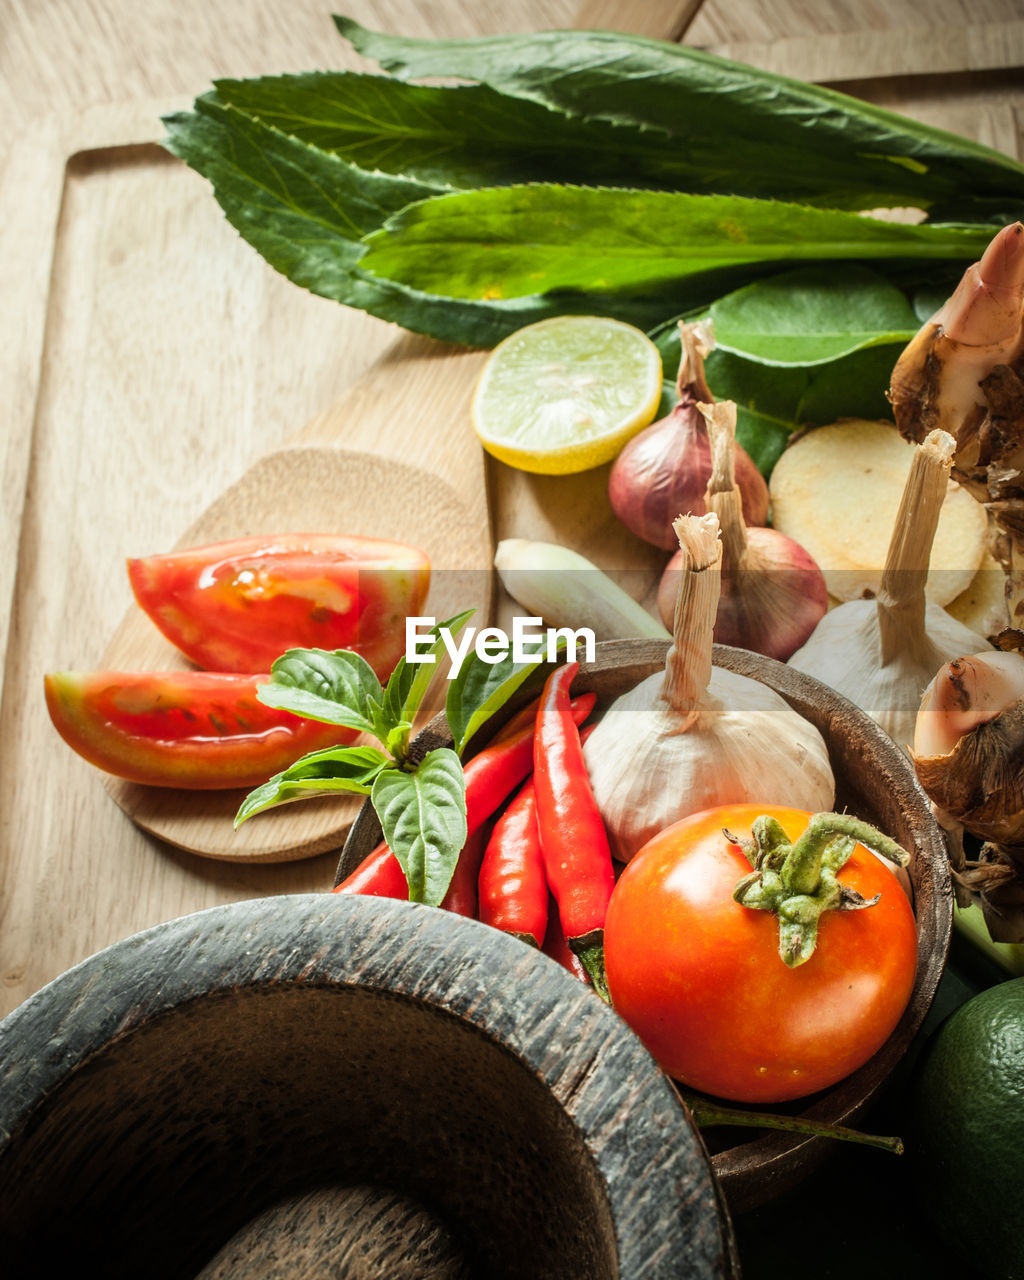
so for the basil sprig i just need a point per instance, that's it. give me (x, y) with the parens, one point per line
(420, 800)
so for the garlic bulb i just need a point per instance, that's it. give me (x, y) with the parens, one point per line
(697, 735)
(882, 653)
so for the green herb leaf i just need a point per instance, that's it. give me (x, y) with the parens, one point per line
(515, 241)
(305, 210)
(460, 136)
(775, 400)
(410, 680)
(482, 688)
(319, 773)
(423, 817)
(854, 387)
(810, 316)
(748, 131)
(336, 688)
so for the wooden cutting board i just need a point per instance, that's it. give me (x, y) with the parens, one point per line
(131, 407)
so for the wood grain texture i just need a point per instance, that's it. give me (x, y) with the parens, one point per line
(874, 781)
(360, 1232)
(174, 357)
(170, 358)
(262, 1049)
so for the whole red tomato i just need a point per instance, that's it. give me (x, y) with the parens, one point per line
(700, 979)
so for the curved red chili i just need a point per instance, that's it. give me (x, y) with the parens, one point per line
(556, 944)
(512, 886)
(491, 776)
(577, 855)
(462, 890)
(379, 875)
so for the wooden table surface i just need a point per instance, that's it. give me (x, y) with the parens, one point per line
(147, 355)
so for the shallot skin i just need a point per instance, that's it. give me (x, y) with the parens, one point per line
(663, 473)
(770, 604)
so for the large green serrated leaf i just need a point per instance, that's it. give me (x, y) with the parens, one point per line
(423, 817)
(815, 144)
(460, 136)
(304, 210)
(515, 241)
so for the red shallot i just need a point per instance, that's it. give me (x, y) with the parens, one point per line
(664, 470)
(773, 592)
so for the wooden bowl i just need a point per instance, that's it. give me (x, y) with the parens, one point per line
(875, 781)
(255, 1068)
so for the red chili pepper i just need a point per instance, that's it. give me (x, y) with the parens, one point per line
(577, 855)
(557, 946)
(379, 875)
(523, 719)
(513, 889)
(462, 891)
(491, 775)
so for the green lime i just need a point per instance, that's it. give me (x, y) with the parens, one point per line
(565, 394)
(966, 1134)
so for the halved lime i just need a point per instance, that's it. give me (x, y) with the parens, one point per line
(565, 394)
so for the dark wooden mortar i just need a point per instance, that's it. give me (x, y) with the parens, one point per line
(236, 1082)
(875, 781)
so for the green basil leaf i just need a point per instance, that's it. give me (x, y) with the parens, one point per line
(482, 688)
(319, 773)
(410, 680)
(749, 131)
(514, 241)
(397, 740)
(423, 817)
(336, 688)
(811, 316)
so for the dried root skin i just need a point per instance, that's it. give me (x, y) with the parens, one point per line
(964, 372)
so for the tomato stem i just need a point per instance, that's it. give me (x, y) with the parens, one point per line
(818, 848)
(799, 882)
(708, 1114)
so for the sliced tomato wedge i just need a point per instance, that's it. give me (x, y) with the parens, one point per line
(238, 605)
(194, 729)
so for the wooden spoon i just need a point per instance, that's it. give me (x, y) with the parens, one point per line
(395, 458)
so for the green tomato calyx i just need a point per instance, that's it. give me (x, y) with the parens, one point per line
(799, 882)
